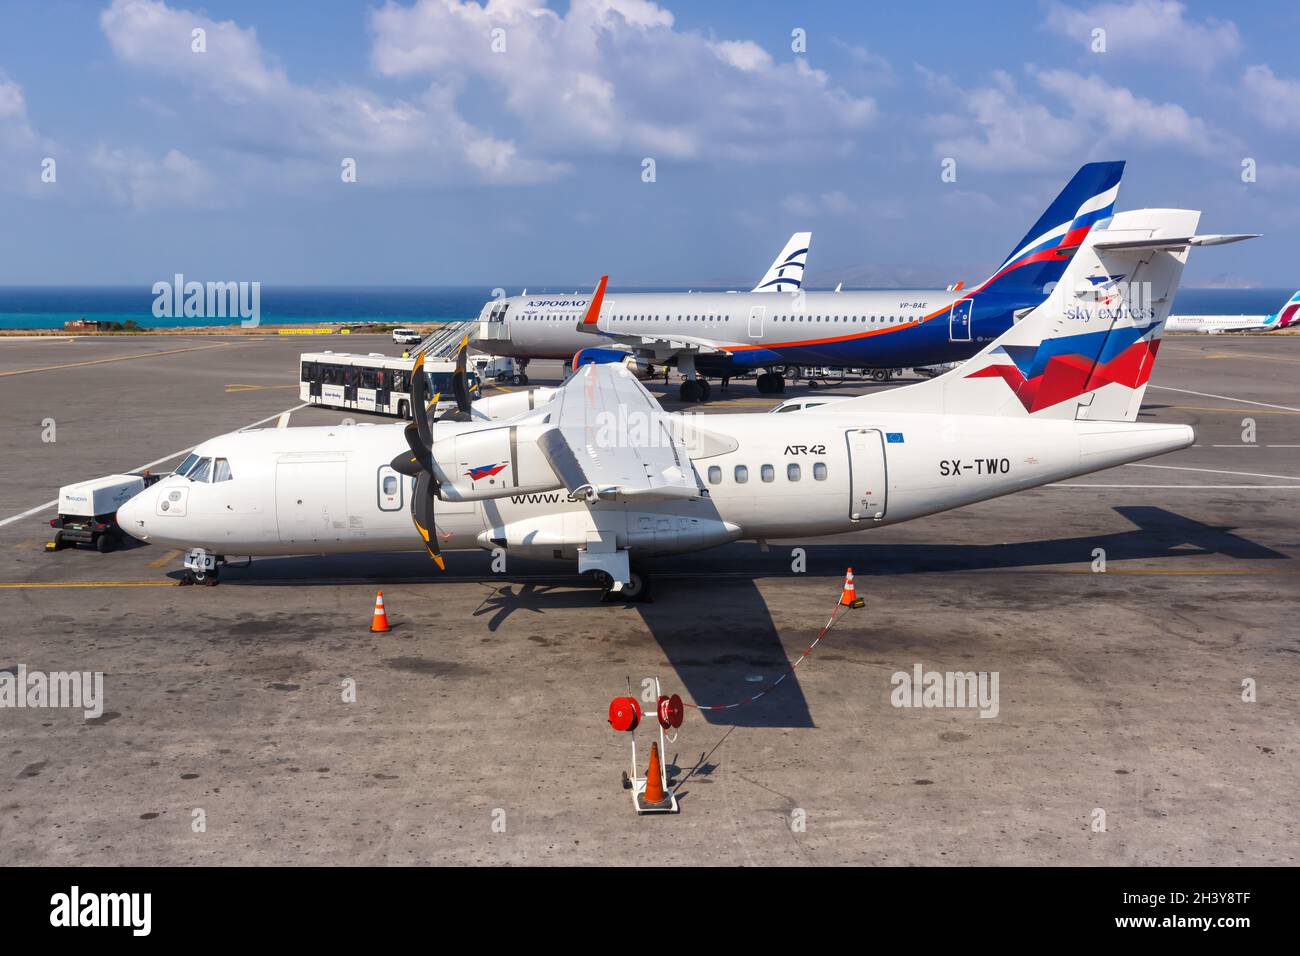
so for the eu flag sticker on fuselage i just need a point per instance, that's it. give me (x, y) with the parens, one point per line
(894, 438)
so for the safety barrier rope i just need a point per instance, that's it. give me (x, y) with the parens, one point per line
(835, 615)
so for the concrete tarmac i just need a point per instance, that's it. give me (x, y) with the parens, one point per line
(478, 733)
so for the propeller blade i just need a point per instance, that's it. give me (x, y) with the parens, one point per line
(407, 463)
(459, 385)
(422, 514)
(423, 456)
(420, 404)
(460, 389)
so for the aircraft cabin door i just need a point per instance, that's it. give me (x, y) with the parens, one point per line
(756, 316)
(868, 475)
(311, 500)
(959, 321)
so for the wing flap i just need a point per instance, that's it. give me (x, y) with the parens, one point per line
(609, 437)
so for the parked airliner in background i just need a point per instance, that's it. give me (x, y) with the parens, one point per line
(1284, 317)
(595, 472)
(712, 333)
(785, 274)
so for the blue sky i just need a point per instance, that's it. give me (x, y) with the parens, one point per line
(524, 164)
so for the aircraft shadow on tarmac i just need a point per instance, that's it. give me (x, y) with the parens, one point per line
(722, 664)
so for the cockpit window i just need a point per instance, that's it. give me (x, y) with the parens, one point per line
(202, 471)
(185, 466)
(221, 472)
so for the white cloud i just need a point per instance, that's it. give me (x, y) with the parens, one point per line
(615, 76)
(250, 104)
(22, 147)
(134, 178)
(16, 131)
(1148, 30)
(1273, 99)
(1120, 117)
(834, 202)
(1001, 126)
(998, 127)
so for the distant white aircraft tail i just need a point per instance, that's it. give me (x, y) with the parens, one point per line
(1087, 352)
(786, 273)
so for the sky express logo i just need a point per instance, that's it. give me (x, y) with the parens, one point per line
(486, 471)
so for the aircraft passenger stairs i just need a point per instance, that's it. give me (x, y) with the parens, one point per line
(443, 342)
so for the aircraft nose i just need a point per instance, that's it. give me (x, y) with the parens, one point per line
(133, 517)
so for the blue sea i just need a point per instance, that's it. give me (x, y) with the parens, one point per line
(39, 307)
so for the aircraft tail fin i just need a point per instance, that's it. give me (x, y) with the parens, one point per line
(786, 272)
(1042, 255)
(1286, 316)
(1087, 352)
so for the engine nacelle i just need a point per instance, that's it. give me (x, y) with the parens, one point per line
(510, 404)
(493, 463)
(598, 355)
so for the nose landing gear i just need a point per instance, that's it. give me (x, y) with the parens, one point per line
(201, 568)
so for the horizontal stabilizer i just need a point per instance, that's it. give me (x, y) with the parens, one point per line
(1171, 244)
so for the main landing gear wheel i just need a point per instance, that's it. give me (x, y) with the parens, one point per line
(770, 383)
(690, 391)
(636, 590)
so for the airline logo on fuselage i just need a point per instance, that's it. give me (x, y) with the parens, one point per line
(556, 304)
(485, 471)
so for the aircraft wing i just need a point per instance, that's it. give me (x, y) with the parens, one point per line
(610, 438)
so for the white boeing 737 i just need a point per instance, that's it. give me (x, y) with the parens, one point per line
(595, 472)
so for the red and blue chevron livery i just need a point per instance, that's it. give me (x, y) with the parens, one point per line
(1059, 369)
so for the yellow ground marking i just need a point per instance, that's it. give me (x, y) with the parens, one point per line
(21, 585)
(118, 358)
(165, 559)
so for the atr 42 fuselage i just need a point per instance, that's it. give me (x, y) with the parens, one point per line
(893, 329)
(330, 489)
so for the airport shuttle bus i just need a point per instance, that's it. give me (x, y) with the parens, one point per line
(372, 383)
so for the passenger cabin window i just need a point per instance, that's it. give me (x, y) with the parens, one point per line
(221, 471)
(390, 485)
(819, 471)
(715, 475)
(792, 472)
(767, 473)
(742, 474)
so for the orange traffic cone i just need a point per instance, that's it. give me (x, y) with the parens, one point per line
(379, 623)
(850, 596)
(654, 795)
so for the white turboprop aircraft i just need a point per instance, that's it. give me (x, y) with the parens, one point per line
(596, 472)
(1284, 317)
